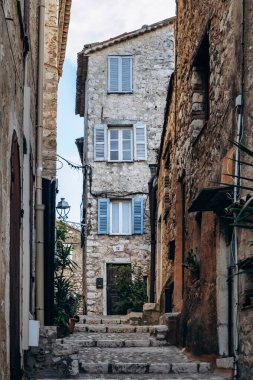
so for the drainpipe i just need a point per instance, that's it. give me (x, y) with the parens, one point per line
(152, 207)
(39, 207)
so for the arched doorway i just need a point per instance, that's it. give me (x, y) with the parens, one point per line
(15, 214)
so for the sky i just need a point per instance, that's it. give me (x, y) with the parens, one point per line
(92, 21)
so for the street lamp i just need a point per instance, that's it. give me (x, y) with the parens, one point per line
(63, 209)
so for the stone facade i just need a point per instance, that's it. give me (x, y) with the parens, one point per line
(19, 54)
(151, 49)
(213, 67)
(57, 21)
(76, 278)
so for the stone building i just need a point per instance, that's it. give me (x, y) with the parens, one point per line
(121, 93)
(22, 115)
(202, 256)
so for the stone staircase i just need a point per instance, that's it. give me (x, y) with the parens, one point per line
(113, 348)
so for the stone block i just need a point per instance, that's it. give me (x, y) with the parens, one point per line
(137, 343)
(184, 368)
(96, 328)
(225, 362)
(110, 343)
(149, 306)
(129, 368)
(111, 321)
(159, 368)
(204, 367)
(121, 329)
(93, 367)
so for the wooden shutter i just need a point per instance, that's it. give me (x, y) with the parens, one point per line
(103, 216)
(113, 74)
(137, 216)
(100, 142)
(140, 141)
(126, 67)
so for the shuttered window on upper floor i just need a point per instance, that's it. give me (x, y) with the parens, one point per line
(120, 74)
(120, 217)
(120, 143)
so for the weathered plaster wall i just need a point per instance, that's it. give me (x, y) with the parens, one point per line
(152, 65)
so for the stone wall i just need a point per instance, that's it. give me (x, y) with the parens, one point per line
(152, 65)
(76, 277)
(13, 105)
(208, 51)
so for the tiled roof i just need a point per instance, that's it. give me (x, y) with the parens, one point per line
(91, 48)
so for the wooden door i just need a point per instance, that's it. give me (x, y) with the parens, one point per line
(15, 214)
(113, 294)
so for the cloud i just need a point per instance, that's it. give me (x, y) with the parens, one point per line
(97, 20)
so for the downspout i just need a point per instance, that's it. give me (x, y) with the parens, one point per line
(39, 207)
(152, 207)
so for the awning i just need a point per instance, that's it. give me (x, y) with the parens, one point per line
(212, 199)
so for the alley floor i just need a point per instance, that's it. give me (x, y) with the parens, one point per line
(110, 348)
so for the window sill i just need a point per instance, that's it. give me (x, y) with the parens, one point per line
(119, 92)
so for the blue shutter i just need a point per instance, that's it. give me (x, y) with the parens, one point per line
(100, 142)
(103, 216)
(126, 74)
(137, 216)
(140, 141)
(113, 74)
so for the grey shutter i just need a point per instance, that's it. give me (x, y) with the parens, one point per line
(137, 216)
(126, 74)
(113, 74)
(103, 216)
(140, 141)
(100, 142)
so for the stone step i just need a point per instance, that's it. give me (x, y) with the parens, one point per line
(112, 328)
(77, 345)
(144, 368)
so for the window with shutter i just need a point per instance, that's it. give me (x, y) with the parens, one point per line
(120, 144)
(120, 217)
(137, 216)
(120, 74)
(100, 142)
(103, 216)
(140, 141)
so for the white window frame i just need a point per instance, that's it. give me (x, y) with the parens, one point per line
(120, 216)
(120, 78)
(120, 130)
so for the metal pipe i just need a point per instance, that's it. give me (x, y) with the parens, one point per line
(39, 207)
(152, 207)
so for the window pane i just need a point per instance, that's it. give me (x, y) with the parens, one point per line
(127, 134)
(114, 133)
(114, 145)
(126, 155)
(114, 156)
(125, 217)
(115, 217)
